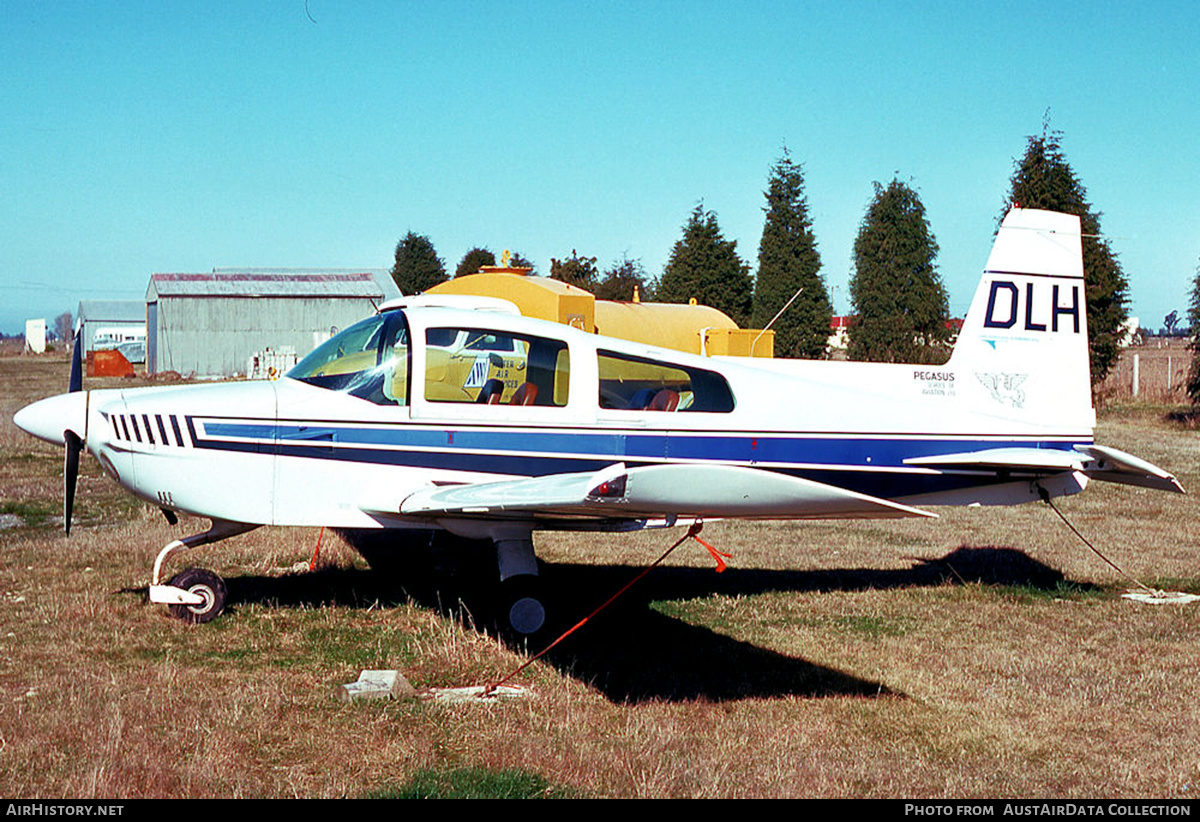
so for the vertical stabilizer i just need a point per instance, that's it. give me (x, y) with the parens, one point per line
(1023, 348)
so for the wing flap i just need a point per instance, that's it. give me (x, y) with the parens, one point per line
(684, 490)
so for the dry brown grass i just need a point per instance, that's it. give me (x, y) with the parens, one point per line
(986, 654)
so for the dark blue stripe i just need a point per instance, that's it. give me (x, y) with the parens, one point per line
(879, 452)
(458, 450)
(875, 483)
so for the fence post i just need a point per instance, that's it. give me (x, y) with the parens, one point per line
(1135, 376)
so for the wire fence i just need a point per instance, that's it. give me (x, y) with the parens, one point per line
(1153, 372)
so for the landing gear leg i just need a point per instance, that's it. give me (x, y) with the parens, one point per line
(521, 588)
(195, 595)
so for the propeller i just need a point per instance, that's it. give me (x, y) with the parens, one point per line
(76, 383)
(70, 475)
(71, 440)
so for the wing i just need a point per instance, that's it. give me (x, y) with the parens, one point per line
(617, 493)
(1095, 461)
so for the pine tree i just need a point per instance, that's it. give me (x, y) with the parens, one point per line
(898, 296)
(1043, 179)
(787, 262)
(705, 265)
(417, 266)
(620, 280)
(473, 260)
(578, 271)
(1193, 377)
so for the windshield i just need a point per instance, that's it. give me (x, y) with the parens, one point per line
(368, 360)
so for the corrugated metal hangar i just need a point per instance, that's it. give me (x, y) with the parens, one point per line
(108, 324)
(211, 324)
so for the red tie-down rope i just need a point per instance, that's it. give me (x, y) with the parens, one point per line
(719, 556)
(312, 563)
(692, 533)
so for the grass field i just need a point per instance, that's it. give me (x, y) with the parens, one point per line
(986, 654)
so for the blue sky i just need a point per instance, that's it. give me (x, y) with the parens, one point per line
(157, 137)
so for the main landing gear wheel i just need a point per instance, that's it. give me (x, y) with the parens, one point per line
(521, 604)
(205, 584)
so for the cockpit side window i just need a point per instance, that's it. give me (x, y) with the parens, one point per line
(368, 360)
(640, 384)
(495, 367)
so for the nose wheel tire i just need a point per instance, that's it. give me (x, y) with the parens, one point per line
(205, 584)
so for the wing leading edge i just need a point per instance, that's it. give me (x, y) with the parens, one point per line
(654, 491)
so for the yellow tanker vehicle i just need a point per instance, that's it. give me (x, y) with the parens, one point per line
(697, 329)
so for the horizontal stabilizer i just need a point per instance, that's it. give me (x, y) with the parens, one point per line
(695, 490)
(1022, 460)
(1095, 461)
(1112, 465)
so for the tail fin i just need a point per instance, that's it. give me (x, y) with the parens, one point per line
(1023, 348)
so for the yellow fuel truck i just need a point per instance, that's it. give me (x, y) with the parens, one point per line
(697, 329)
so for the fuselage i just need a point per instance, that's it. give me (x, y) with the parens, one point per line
(343, 442)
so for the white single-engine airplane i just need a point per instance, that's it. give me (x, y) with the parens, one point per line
(491, 425)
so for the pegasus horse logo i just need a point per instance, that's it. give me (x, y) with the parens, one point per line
(1004, 388)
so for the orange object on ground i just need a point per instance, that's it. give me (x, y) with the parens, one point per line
(110, 363)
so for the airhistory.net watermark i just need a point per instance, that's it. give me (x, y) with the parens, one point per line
(60, 809)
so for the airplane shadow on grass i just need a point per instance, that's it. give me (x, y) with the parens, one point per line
(631, 652)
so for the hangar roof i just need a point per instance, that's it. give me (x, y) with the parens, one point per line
(121, 311)
(272, 283)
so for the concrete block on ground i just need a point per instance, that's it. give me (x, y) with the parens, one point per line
(378, 685)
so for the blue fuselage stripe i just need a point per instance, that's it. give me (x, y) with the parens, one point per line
(871, 464)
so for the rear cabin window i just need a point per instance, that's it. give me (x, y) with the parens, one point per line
(495, 367)
(639, 384)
